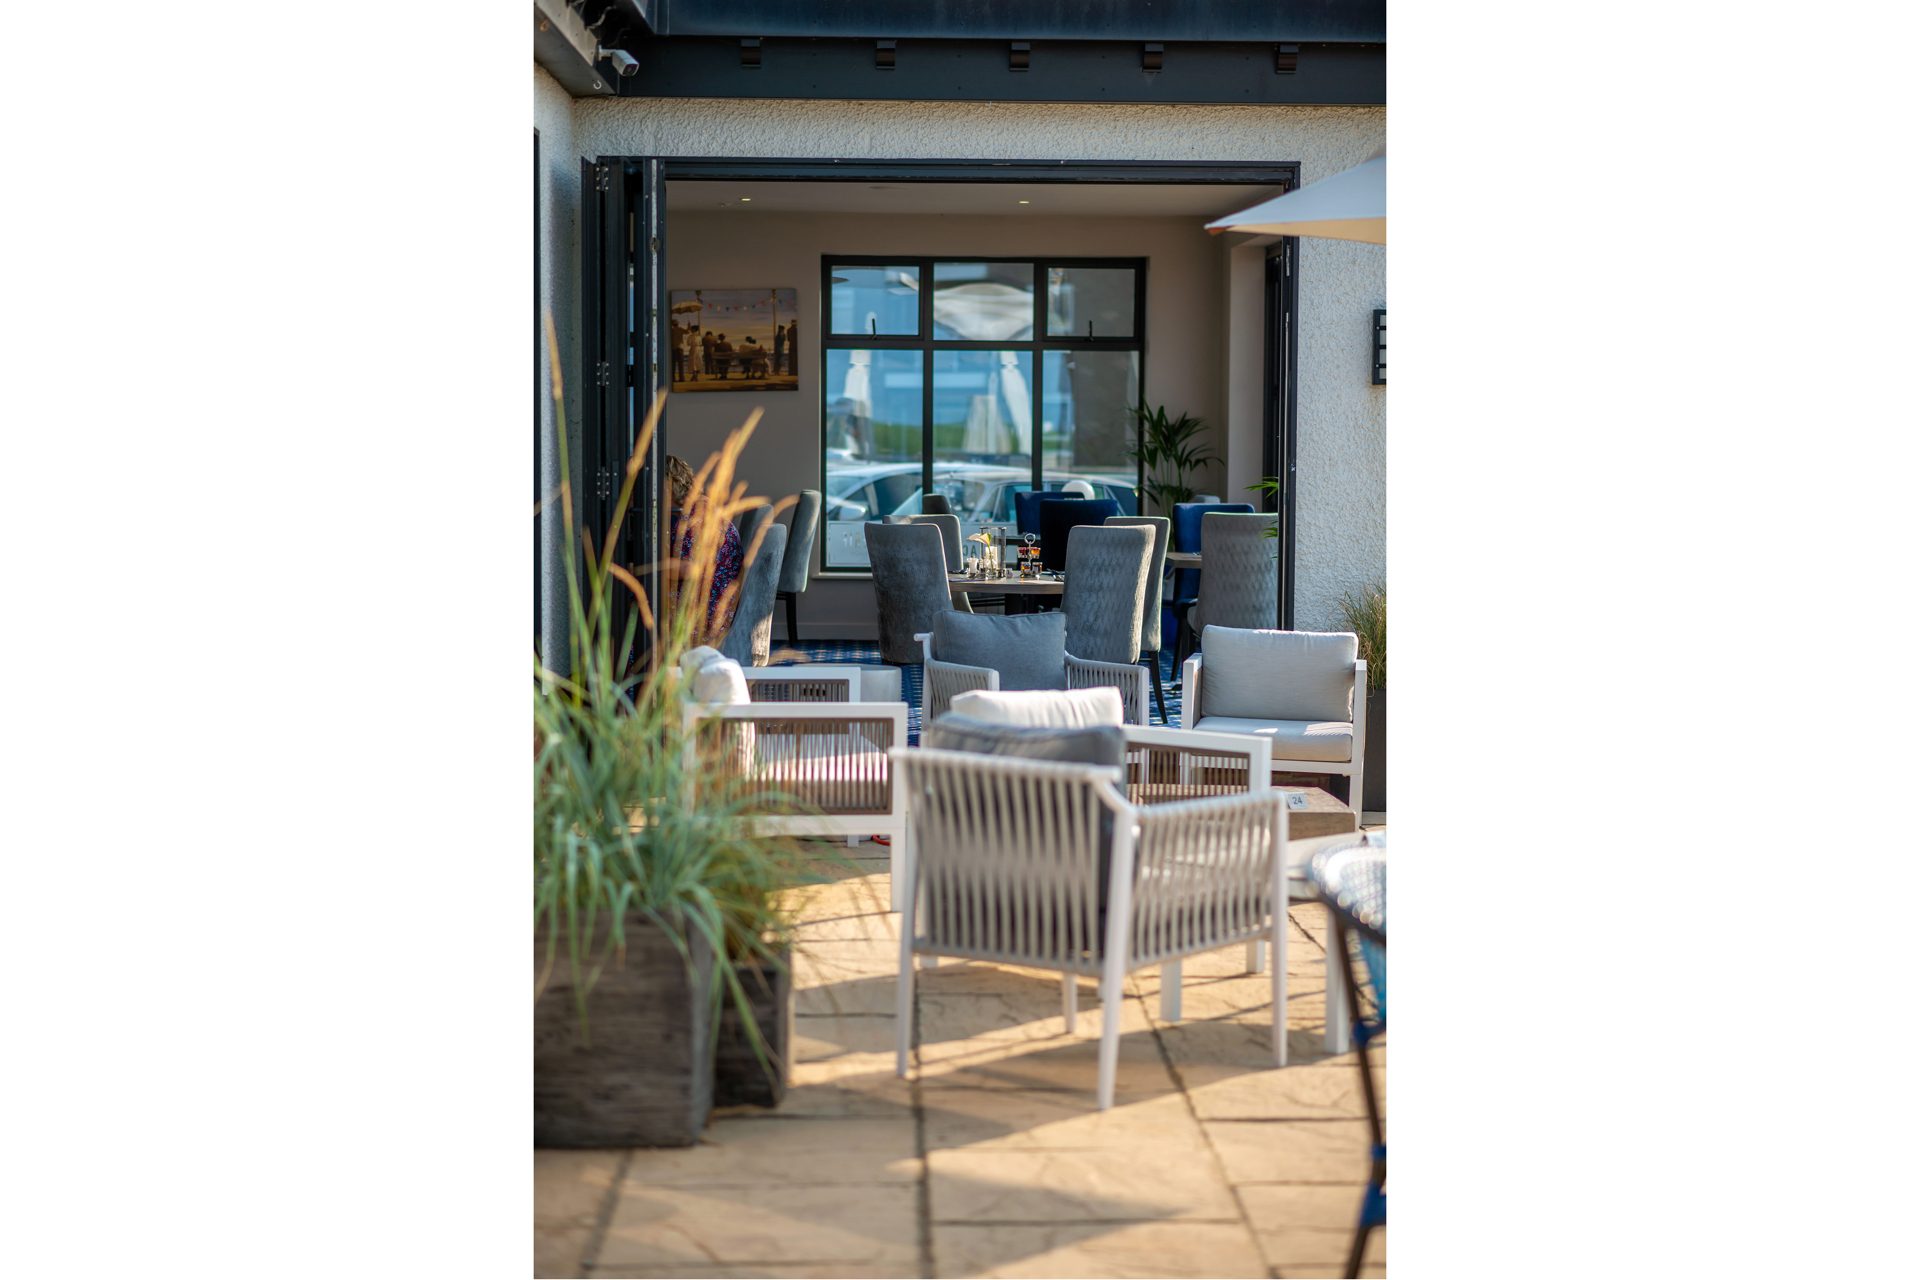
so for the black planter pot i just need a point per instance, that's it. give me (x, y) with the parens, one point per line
(642, 1074)
(739, 1079)
(1375, 787)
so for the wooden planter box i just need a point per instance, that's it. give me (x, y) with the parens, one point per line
(643, 1074)
(738, 1077)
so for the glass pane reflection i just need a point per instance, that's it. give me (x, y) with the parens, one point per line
(1090, 302)
(880, 301)
(873, 446)
(1086, 419)
(983, 301)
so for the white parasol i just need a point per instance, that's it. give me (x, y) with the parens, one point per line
(1351, 205)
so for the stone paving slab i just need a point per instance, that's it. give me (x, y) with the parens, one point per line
(785, 1223)
(1072, 1186)
(740, 1151)
(1135, 1249)
(992, 1159)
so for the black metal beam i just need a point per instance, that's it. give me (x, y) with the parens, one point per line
(1094, 172)
(1327, 74)
(1332, 20)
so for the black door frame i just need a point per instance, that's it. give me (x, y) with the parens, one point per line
(631, 296)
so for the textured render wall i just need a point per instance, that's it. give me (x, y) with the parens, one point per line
(559, 271)
(1341, 520)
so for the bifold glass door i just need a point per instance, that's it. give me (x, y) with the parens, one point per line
(975, 379)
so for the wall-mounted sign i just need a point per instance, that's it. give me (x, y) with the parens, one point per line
(736, 339)
(1380, 347)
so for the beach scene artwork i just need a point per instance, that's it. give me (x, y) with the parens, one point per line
(735, 339)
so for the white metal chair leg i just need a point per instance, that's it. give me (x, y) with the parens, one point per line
(1069, 1000)
(1170, 991)
(1110, 985)
(1339, 1034)
(1256, 955)
(903, 996)
(899, 860)
(1280, 927)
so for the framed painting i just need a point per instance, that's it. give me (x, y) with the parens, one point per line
(735, 339)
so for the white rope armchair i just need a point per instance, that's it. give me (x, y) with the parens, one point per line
(1048, 866)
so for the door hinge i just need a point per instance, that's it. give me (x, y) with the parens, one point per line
(603, 374)
(603, 486)
(654, 244)
(603, 178)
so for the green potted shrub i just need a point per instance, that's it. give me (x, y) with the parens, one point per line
(653, 906)
(1365, 614)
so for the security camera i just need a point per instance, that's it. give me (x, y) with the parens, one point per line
(623, 62)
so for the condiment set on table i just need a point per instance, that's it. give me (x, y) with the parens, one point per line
(990, 564)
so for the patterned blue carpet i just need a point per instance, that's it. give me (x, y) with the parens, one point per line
(867, 653)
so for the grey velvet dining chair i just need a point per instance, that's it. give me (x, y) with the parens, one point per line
(1150, 626)
(909, 585)
(949, 527)
(1240, 585)
(749, 521)
(1106, 591)
(796, 570)
(749, 641)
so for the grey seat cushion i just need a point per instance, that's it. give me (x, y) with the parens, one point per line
(1098, 744)
(1029, 650)
(1291, 739)
(1277, 675)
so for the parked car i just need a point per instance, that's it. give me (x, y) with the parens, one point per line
(980, 494)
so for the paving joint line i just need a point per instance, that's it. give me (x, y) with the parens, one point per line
(590, 1256)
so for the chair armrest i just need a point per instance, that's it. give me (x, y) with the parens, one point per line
(1170, 766)
(1190, 711)
(1207, 873)
(1128, 677)
(941, 681)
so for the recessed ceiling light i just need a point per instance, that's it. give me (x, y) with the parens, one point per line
(745, 199)
(1026, 202)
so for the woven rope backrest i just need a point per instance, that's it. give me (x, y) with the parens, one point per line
(1204, 875)
(1158, 774)
(826, 690)
(826, 766)
(1011, 855)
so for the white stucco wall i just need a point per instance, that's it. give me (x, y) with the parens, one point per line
(559, 183)
(1341, 519)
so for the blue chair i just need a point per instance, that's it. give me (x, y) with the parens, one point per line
(1186, 537)
(1057, 520)
(1352, 882)
(1026, 507)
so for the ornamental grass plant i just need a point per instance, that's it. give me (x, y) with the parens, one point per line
(636, 818)
(1365, 613)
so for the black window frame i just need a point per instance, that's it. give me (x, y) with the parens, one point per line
(925, 343)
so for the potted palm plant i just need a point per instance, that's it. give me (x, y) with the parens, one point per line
(654, 906)
(1169, 451)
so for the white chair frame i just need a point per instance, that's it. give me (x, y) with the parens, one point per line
(836, 718)
(943, 680)
(1215, 874)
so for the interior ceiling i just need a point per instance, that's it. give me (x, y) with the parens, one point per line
(1078, 200)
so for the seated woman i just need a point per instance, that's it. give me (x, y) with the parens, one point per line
(689, 521)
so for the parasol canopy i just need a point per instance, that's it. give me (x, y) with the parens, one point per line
(1351, 205)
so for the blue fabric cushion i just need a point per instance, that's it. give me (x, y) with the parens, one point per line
(1057, 520)
(1026, 507)
(1029, 650)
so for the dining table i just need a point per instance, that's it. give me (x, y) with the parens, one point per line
(1027, 591)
